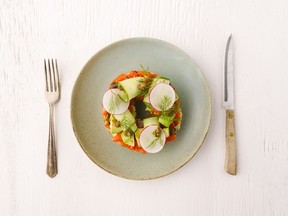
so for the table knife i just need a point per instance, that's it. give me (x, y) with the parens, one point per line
(228, 104)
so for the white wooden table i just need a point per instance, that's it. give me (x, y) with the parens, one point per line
(72, 31)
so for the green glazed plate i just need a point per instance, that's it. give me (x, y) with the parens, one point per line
(123, 56)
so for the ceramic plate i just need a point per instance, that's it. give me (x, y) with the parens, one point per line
(123, 56)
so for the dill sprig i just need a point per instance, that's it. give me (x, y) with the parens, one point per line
(153, 143)
(165, 103)
(114, 102)
(147, 69)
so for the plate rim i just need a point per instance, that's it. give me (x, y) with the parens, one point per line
(209, 105)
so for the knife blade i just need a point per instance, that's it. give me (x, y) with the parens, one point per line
(229, 106)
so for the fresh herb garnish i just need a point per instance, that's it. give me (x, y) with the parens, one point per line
(165, 103)
(171, 111)
(153, 143)
(144, 68)
(114, 102)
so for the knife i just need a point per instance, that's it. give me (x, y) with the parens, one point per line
(228, 104)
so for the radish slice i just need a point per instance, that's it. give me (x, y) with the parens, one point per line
(162, 97)
(113, 103)
(151, 143)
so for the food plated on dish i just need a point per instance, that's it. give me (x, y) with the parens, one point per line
(146, 132)
(95, 79)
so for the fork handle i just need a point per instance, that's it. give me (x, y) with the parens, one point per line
(231, 157)
(51, 168)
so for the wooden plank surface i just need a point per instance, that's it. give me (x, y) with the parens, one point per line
(72, 31)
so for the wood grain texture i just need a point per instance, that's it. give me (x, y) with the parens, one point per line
(231, 153)
(72, 31)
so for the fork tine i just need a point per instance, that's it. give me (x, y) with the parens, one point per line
(57, 76)
(54, 79)
(50, 76)
(46, 78)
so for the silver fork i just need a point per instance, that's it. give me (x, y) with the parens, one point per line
(52, 95)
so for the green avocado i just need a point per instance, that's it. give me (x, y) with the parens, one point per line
(126, 119)
(166, 120)
(137, 135)
(146, 99)
(129, 140)
(114, 127)
(133, 127)
(150, 121)
(147, 103)
(166, 131)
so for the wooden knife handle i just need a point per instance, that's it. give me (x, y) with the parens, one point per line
(231, 157)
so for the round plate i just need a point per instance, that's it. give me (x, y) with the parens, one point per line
(120, 57)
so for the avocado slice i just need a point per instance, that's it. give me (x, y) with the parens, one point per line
(128, 140)
(137, 135)
(147, 103)
(166, 120)
(114, 127)
(150, 121)
(146, 99)
(133, 127)
(166, 131)
(126, 119)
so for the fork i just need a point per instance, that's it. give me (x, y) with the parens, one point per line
(52, 95)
